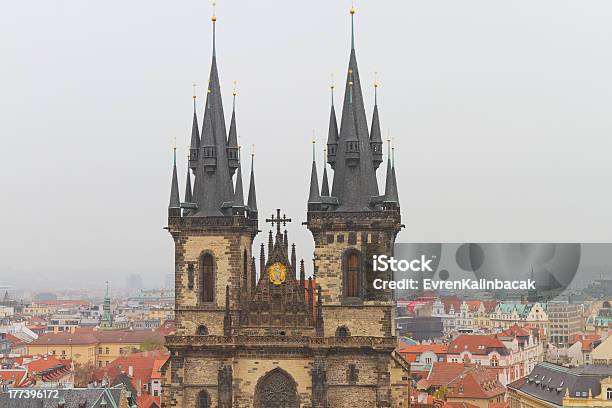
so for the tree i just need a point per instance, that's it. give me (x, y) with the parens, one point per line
(83, 374)
(152, 343)
(441, 392)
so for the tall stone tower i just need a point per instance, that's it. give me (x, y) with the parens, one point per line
(350, 225)
(270, 338)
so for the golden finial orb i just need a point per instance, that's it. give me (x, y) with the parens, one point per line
(214, 15)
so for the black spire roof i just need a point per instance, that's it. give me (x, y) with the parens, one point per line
(324, 182)
(356, 188)
(252, 200)
(175, 200)
(314, 196)
(195, 139)
(390, 186)
(232, 140)
(332, 134)
(213, 190)
(375, 134)
(188, 193)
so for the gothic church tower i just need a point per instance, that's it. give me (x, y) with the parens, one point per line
(268, 337)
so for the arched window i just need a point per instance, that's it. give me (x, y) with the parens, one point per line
(494, 361)
(202, 330)
(342, 332)
(207, 278)
(352, 279)
(609, 394)
(203, 400)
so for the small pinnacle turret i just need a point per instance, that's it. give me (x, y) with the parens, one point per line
(252, 200)
(188, 192)
(332, 134)
(376, 142)
(232, 141)
(314, 196)
(175, 200)
(194, 148)
(324, 182)
(391, 197)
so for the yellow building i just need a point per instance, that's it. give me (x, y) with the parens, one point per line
(92, 347)
(602, 354)
(37, 310)
(603, 399)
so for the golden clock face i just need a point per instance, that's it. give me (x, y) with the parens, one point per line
(277, 273)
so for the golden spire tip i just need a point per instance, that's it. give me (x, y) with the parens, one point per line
(214, 14)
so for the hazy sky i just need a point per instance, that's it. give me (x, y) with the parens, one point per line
(501, 113)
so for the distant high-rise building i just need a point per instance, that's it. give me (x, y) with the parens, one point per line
(134, 283)
(564, 321)
(169, 281)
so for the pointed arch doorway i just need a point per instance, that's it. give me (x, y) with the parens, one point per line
(276, 389)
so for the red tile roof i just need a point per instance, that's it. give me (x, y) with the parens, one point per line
(144, 366)
(45, 363)
(148, 401)
(490, 305)
(481, 344)
(516, 331)
(449, 301)
(473, 305)
(443, 373)
(459, 405)
(477, 383)
(410, 352)
(15, 376)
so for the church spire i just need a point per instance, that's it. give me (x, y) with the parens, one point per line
(252, 200)
(332, 134)
(354, 182)
(213, 188)
(314, 196)
(232, 140)
(391, 197)
(175, 201)
(375, 134)
(353, 25)
(195, 136)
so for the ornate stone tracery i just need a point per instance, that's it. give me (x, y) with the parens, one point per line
(276, 390)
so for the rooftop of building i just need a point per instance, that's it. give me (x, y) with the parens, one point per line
(551, 382)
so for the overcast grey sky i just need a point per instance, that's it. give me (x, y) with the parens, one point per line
(501, 113)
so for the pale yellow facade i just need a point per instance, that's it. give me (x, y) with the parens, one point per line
(602, 354)
(79, 353)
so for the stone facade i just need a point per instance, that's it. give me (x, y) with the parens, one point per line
(267, 337)
(317, 365)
